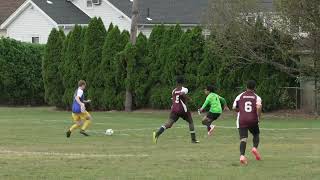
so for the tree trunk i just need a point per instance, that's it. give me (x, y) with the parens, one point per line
(133, 38)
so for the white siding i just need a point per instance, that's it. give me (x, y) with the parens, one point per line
(31, 22)
(3, 33)
(106, 12)
(145, 30)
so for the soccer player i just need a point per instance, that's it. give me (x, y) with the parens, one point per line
(249, 107)
(80, 116)
(216, 104)
(178, 110)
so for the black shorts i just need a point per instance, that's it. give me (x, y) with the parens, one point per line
(254, 130)
(186, 116)
(213, 116)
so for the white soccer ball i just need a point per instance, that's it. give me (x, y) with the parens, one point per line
(109, 132)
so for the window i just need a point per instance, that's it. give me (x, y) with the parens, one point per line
(35, 40)
(89, 4)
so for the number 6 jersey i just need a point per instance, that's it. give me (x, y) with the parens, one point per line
(247, 103)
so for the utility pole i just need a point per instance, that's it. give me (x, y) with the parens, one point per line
(133, 38)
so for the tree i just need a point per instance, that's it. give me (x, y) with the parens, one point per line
(50, 68)
(139, 85)
(133, 37)
(92, 55)
(20, 73)
(231, 16)
(303, 16)
(113, 44)
(72, 63)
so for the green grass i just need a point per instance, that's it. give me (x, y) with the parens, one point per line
(33, 146)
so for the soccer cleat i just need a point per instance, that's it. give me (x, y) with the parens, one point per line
(256, 153)
(68, 133)
(83, 133)
(243, 160)
(155, 138)
(210, 132)
(195, 141)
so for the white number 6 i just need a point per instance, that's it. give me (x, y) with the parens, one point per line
(248, 106)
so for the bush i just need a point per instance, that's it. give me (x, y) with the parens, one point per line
(20, 73)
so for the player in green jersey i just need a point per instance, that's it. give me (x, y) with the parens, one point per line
(217, 104)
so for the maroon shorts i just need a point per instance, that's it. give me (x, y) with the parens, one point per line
(185, 115)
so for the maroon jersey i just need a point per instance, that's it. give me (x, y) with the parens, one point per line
(247, 103)
(179, 100)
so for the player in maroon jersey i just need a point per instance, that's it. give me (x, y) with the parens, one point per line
(178, 110)
(249, 107)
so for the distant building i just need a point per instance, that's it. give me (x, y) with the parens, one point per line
(32, 20)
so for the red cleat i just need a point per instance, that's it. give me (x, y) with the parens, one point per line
(256, 153)
(243, 160)
(210, 132)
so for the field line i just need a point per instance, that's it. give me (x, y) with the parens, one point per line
(223, 127)
(70, 155)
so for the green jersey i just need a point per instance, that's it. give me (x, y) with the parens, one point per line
(215, 102)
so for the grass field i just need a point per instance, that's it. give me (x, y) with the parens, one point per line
(33, 146)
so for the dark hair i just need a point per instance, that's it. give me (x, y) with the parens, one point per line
(251, 84)
(210, 88)
(180, 80)
(81, 83)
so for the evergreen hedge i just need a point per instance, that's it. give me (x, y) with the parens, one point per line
(110, 64)
(20, 73)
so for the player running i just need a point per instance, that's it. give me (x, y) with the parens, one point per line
(80, 116)
(216, 104)
(178, 110)
(249, 107)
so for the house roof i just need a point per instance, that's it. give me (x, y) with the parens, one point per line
(7, 7)
(173, 11)
(63, 12)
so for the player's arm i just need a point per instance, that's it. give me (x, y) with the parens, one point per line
(87, 101)
(184, 92)
(205, 104)
(259, 107)
(224, 103)
(235, 105)
(79, 101)
(77, 98)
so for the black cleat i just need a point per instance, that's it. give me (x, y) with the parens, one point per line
(195, 141)
(68, 133)
(83, 133)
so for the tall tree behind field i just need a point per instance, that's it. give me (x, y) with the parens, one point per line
(72, 64)
(302, 16)
(113, 44)
(140, 87)
(92, 56)
(133, 38)
(50, 69)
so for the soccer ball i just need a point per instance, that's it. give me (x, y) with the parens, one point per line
(109, 132)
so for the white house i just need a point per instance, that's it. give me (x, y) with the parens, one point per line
(32, 20)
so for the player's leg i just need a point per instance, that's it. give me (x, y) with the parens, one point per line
(87, 118)
(255, 131)
(188, 118)
(172, 119)
(207, 121)
(77, 124)
(243, 133)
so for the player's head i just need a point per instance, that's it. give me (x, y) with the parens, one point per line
(251, 85)
(180, 80)
(82, 84)
(209, 89)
